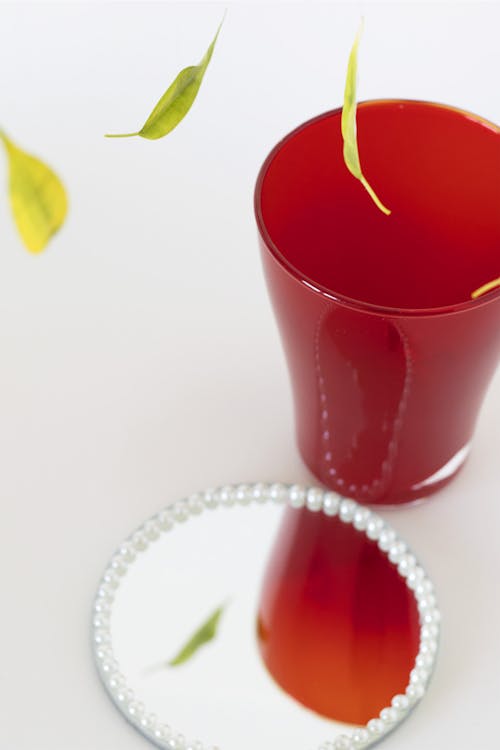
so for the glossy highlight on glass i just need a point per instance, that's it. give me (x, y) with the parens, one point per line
(389, 356)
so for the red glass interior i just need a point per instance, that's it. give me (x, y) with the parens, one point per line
(338, 628)
(389, 357)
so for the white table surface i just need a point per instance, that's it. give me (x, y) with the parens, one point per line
(139, 356)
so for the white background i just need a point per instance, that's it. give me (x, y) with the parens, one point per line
(139, 356)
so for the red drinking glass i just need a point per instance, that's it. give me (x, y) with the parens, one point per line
(389, 356)
(389, 359)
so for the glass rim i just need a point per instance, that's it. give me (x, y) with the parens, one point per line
(326, 291)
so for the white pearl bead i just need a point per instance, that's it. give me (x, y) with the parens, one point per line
(225, 496)
(102, 636)
(105, 599)
(396, 552)
(151, 530)
(386, 539)
(415, 577)
(109, 666)
(342, 743)
(109, 584)
(400, 702)
(102, 606)
(210, 500)
(180, 741)
(361, 518)
(103, 652)
(101, 620)
(124, 696)
(418, 676)
(415, 692)
(162, 731)
(297, 496)
(389, 715)
(259, 492)
(331, 503)
(346, 510)
(314, 500)
(243, 494)
(116, 681)
(426, 604)
(424, 587)
(425, 596)
(425, 661)
(110, 579)
(360, 737)
(431, 617)
(197, 745)
(145, 722)
(429, 631)
(406, 565)
(135, 709)
(374, 528)
(104, 592)
(152, 721)
(139, 542)
(180, 511)
(165, 520)
(428, 646)
(278, 493)
(127, 552)
(118, 565)
(195, 504)
(375, 727)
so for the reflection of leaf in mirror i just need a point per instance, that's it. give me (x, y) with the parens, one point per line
(37, 197)
(349, 131)
(204, 634)
(486, 288)
(176, 101)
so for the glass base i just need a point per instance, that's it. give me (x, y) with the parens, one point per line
(415, 495)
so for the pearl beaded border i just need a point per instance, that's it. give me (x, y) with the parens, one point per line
(316, 500)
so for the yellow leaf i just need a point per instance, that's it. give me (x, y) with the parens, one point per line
(37, 197)
(486, 288)
(349, 131)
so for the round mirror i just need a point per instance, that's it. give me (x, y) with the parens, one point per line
(183, 634)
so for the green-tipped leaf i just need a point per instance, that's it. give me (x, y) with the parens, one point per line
(349, 130)
(203, 635)
(37, 197)
(176, 101)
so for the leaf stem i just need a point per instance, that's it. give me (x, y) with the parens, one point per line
(486, 288)
(371, 192)
(120, 135)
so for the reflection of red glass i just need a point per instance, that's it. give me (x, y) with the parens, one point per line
(338, 627)
(389, 357)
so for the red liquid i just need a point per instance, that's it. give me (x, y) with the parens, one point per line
(338, 627)
(389, 357)
(389, 360)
